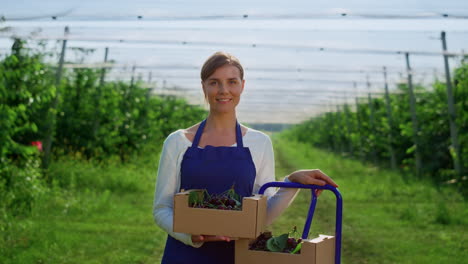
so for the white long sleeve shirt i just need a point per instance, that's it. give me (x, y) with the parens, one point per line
(168, 181)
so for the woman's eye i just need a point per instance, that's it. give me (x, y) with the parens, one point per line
(233, 81)
(212, 83)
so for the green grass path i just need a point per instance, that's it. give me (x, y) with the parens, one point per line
(386, 219)
(106, 217)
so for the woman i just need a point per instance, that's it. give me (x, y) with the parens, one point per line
(215, 155)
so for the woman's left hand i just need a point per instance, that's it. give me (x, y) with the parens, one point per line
(316, 177)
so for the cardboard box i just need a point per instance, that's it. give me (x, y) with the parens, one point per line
(320, 250)
(247, 223)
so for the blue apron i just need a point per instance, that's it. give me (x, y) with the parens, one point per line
(215, 169)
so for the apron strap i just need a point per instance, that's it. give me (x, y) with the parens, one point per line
(240, 144)
(196, 140)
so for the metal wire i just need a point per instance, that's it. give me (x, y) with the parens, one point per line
(246, 45)
(67, 15)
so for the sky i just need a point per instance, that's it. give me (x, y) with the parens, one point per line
(301, 57)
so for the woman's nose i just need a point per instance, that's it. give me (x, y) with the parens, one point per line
(222, 88)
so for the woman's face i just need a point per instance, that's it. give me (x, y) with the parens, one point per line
(223, 89)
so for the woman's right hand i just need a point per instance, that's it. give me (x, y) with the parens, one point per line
(206, 238)
(315, 176)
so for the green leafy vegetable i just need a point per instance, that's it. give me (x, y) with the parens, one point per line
(196, 198)
(298, 247)
(277, 244)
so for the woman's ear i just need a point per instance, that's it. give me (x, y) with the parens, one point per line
(204, 92)
(243, 84)
(203, 88)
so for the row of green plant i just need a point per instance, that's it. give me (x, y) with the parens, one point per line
(358, 134)
(93, 120)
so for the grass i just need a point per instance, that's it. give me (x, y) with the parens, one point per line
(95, 214)
(386, 219)
(102, 214)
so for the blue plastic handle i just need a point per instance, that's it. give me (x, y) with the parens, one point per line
(310, 215)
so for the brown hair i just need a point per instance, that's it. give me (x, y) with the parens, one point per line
(218, 60)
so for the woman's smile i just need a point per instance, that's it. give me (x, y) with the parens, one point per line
(224, 100)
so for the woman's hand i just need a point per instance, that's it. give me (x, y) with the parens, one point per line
(206, 238)
(316, 177)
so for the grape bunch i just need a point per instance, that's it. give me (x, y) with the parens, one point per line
(291, 245)
(282, 243)
(228, 200)
(261, 242)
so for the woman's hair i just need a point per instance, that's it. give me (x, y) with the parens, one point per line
(218, 60)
